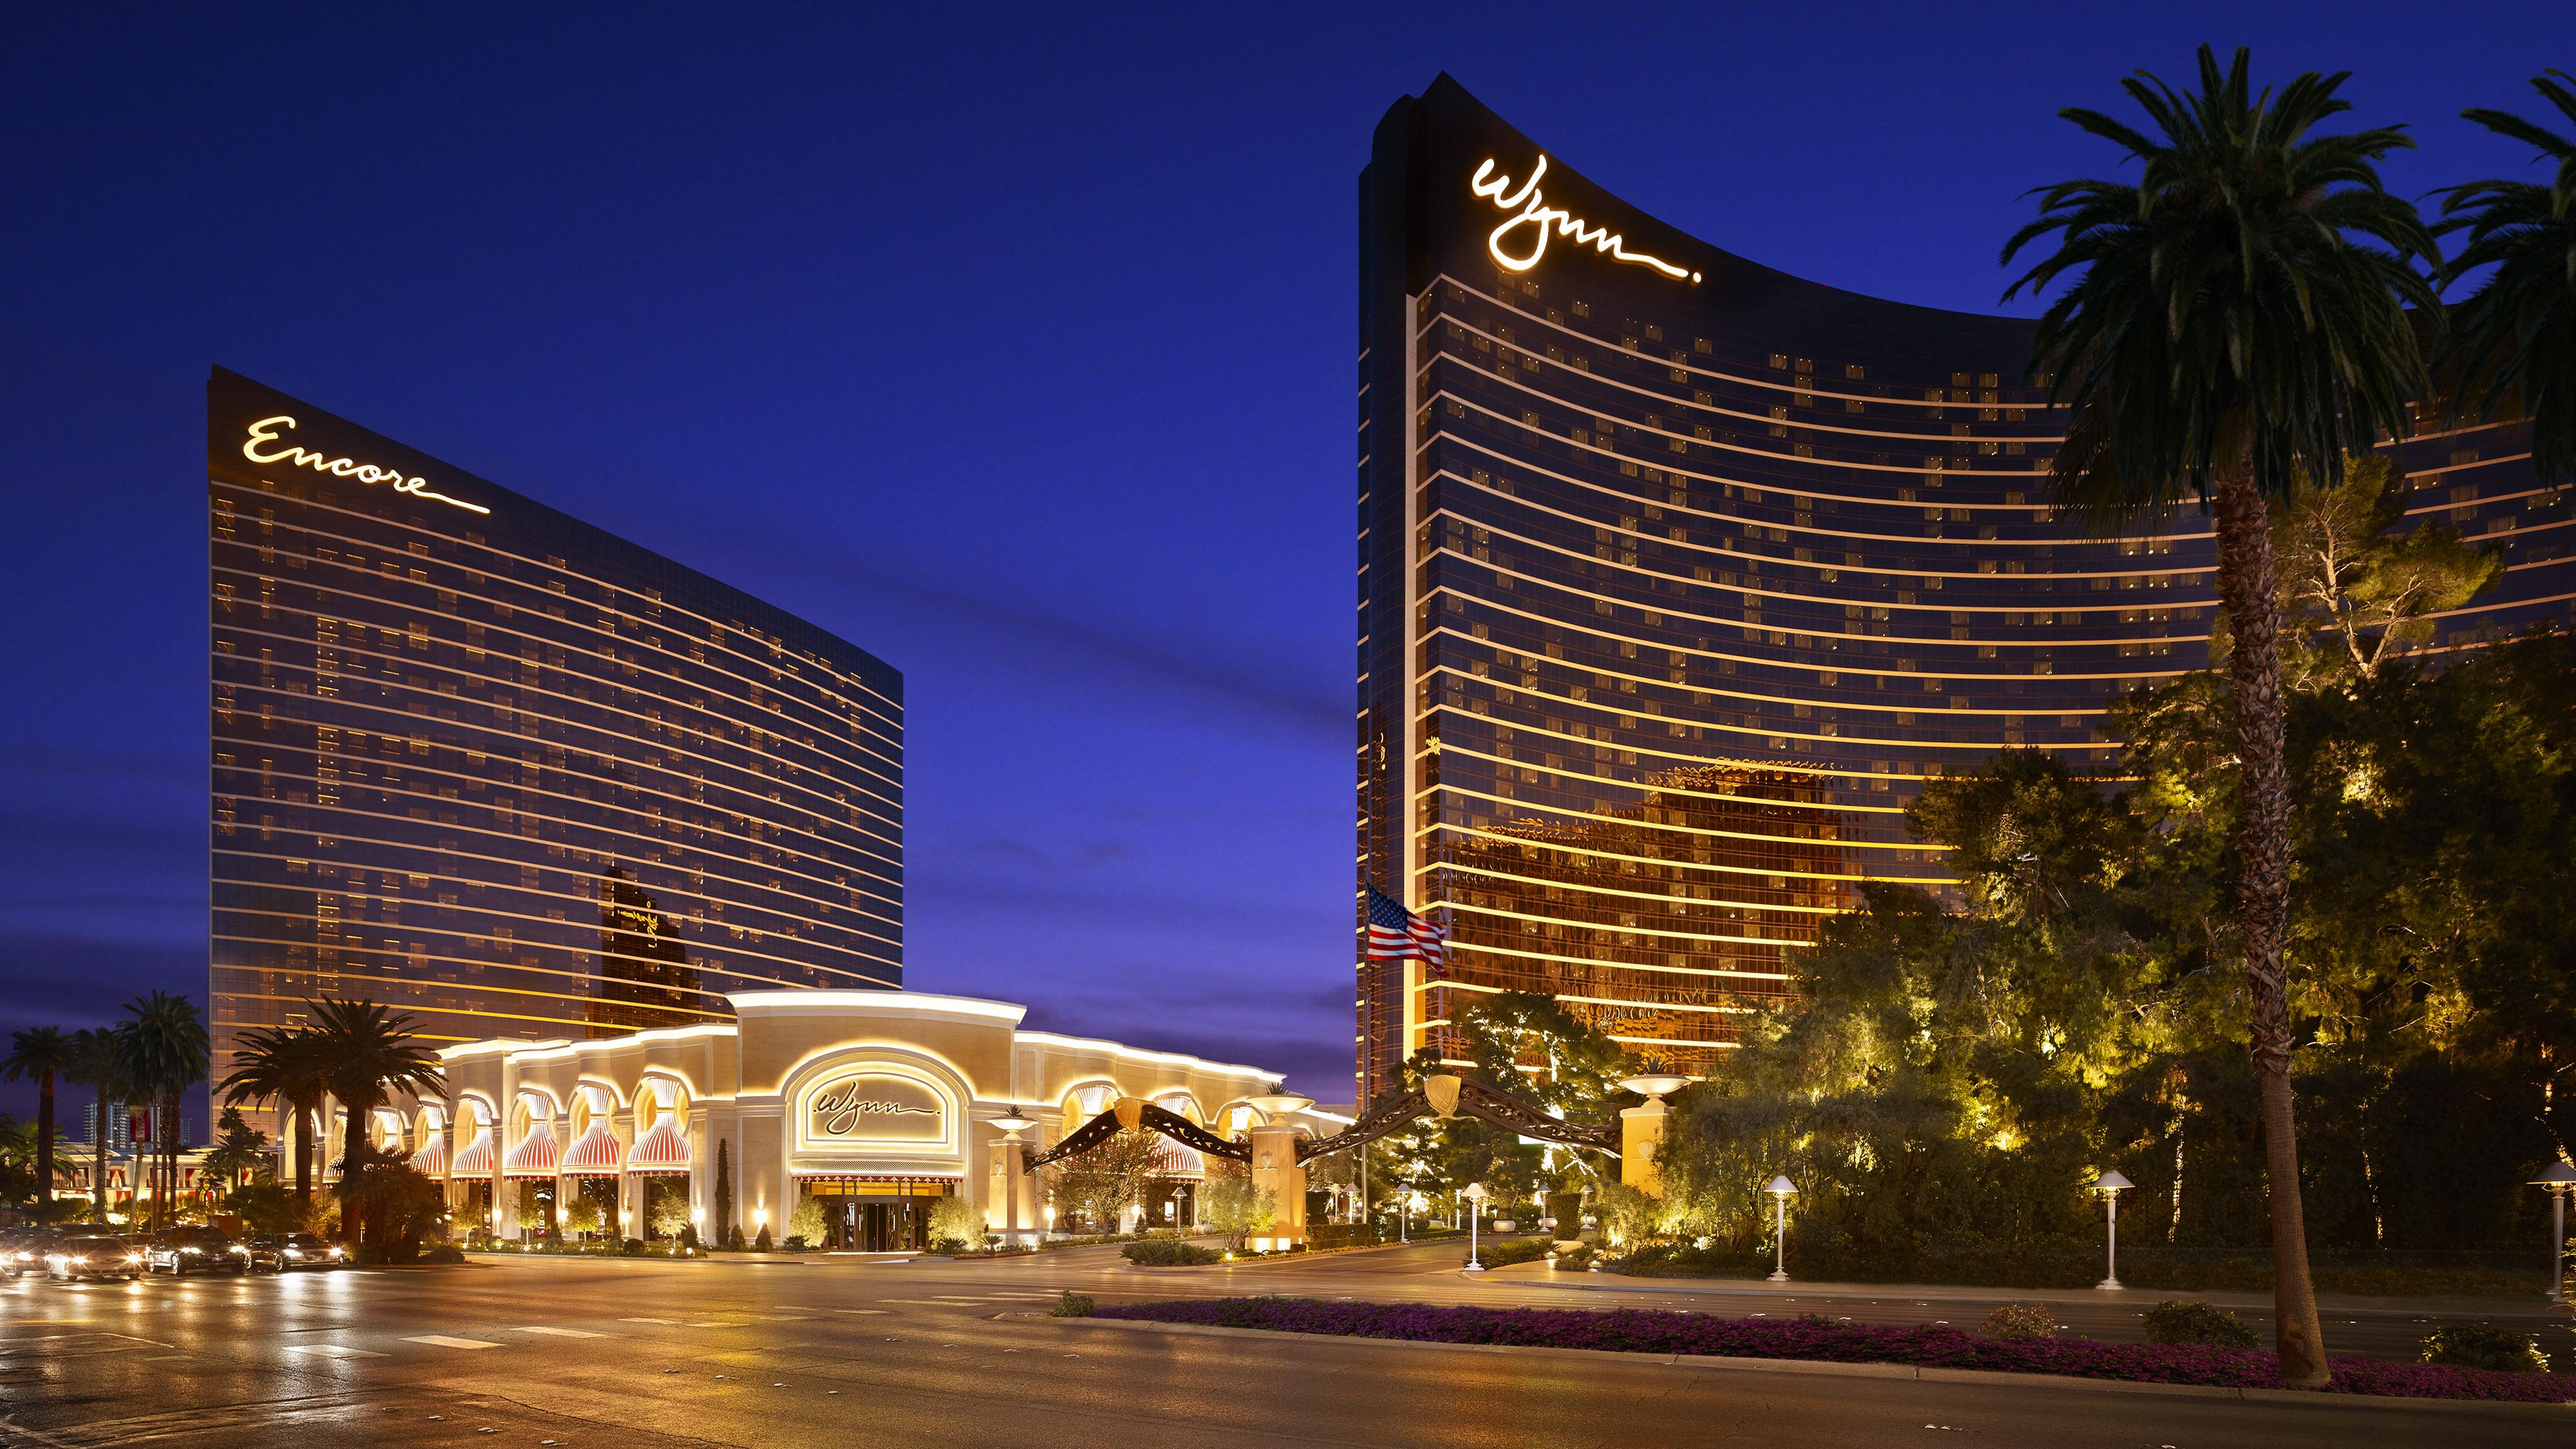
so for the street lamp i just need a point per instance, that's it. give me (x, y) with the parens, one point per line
(1406, 1204)
(2559, 1180)
(1781, 1190)
(2111, 1184)
(1013, 1125)
(1475, 1195)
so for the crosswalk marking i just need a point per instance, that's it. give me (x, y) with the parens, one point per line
(332, 1350)
(665, 1322)
(858, 1310)
(561, 1332)
(440, 1340)
(922, 1302)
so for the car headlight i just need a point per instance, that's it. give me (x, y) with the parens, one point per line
(191, 1252)
(245, 1252)
(335, 1252)
(138, 1257)
(295, 1252)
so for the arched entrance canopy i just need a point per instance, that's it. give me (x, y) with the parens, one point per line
(1439, 1096)
(1129, 1112)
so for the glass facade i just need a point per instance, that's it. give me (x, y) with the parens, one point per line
(1678, 576)
(482, 762)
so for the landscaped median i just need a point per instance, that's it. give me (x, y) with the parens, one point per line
(1640, 1330)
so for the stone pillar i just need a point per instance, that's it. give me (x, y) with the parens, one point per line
(1011, 1195)
(1275, 1170)
(1641, 1134)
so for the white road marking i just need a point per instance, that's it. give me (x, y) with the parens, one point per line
(561, 1332)
(332, 1350)
(440, 1340)
(665, 1322)
(858, 1310)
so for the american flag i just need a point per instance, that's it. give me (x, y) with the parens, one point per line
(1395, 933)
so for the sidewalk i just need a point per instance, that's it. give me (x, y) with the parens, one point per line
(1530, 1274)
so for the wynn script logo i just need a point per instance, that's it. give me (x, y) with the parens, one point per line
(1544, 221)
(839, 1109)
(266, 431)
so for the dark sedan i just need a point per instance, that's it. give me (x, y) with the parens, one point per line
(182, 1251)
(22, 1250)
(92, 1255)
(306, 1250)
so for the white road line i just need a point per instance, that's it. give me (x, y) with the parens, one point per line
(561, 1332)
(332, 1350)
(665, 1322)
(920, 1302)
(858, 1310)
(440, 1340)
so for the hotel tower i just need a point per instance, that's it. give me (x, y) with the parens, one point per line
(490, 765)
(1679, 575)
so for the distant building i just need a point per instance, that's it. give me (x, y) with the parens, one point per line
(1679, 575)
(491, 765)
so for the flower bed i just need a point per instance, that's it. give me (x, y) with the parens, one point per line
(1640, 1330)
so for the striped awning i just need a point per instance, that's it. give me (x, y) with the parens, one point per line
(537, 1155)
(662, 1149)
(476, 1159)
(431, 1159)
(1171, 1159)
(596, 1154)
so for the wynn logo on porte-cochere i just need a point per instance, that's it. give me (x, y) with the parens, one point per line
(839, 1110)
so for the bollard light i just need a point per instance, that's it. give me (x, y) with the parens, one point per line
(2559, 1180)
(1781, 1190)
(2111, 1184)
(1475, 1195)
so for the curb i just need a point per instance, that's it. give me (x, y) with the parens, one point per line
(1715, 1363)
(2430, 1306)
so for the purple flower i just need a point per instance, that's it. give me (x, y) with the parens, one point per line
(1642, 1330)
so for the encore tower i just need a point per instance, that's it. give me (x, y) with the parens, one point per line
(1678, 576)
(485, 763)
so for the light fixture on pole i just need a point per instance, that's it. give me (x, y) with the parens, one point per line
(1013, 1124)
(1475, 1195)
(1406, 1204)
(2111, 1184)
(1781, 1190)
(2560, 1180)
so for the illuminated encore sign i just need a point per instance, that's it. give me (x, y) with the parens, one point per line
(265, 433)
(876, 1108)
(1542, 220)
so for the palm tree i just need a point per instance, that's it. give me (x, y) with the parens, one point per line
(2236, 315)
(2513, 342)
(95, 1063)
(286, 1067)
(163, 1049)
(41, 1054)
(238, 1150)
(366, 1051)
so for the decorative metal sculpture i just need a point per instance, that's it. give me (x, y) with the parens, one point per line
(1442, 1096)
(1129, 1112)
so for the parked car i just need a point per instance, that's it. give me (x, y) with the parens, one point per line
(264, 1253)
(93, 1255)
(181, 1251)
(22, 1250)
(309, 1250)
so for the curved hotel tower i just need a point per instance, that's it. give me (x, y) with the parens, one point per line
(482, 762)
(1678, 576)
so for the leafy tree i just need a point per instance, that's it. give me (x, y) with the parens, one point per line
(96, 1063)
(265, 1206)
(2235, 315)
(238, 1151)
(671, 1217)
(2512, 344)
(17, 1161)
(1230, 1203)
(1098, 1185)
(956, 1223)
(726, 1232)
(365, 1052)
(807, 1222)
(398, 1205)
(276, 1064)
(2357, 589)
(41, 1054)
(581, 1215)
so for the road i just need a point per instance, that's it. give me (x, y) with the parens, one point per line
(839, 1352)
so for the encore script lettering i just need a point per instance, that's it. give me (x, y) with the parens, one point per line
(1544, 220)
(266, 431)
(839, 1110)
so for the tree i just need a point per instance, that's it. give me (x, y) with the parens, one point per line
(17, 1161)
(581, 1215)
(957, 1225)
(239, 1151)
(2357, 589)
(1104, 1182)
(2512, 344)
(276, 1064)
(96, 1063)
(264, 1206)
(1232, 1205)
(398, 1204)
(365, 1051)
(2237, 314)
(725, 1230)
(40, 1054)
(807, 1224)
(163, 1050)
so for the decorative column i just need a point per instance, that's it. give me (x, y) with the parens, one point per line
(1010, 1190)
(1641, 1132)
(1276, 1170)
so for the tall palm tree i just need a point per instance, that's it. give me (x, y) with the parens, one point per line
(41, 1054)
(286, 1067)
(2513, 342)
(164, 1050)
(97, 1064)
(368, 1051)
(2235, 315)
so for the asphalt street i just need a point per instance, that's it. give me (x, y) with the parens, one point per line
(566, 1352)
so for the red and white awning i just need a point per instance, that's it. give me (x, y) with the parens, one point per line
(596, 1154)
(476, 1159)
(537, 1155)
(1171, 1159)
(431, 1159)
(662, 1149)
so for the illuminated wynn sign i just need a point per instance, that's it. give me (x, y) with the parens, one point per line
(267, 431)
(1544, 220)
(838, 1110)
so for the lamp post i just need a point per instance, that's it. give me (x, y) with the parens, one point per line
(1475, 1195)
(1781, 1190)
(2111, 1184)
(2559, 1179)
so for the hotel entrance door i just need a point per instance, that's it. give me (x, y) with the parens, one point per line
(876, 1217)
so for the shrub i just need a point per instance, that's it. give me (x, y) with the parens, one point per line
(444, 1253)
(1503, 1255)
(2175, 1321)
(2483, 1346)
(807, 1224)
(1071, 1305)
(2020, 1323)
(1167, 1253)
(957, 1225)
(634, 1247)
(761, 1244)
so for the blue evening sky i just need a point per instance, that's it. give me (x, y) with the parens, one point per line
(1013, 343)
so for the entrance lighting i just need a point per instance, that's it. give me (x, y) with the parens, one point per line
(2111, 1184)
(1475, 1195)
(1781, 1190)
(2560, 1180)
